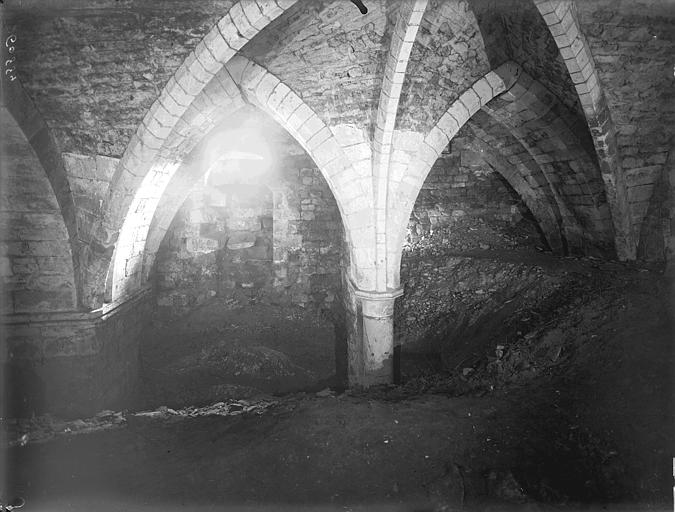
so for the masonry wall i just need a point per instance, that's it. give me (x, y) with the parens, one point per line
(632, 45)
(461, 188)
(308, 237)
(277, 243)
(102, 68)
(219, 245)
(36, 266)
(53, 357)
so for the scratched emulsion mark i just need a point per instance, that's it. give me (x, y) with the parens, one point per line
(10, 64)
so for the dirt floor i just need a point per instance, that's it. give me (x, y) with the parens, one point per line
(566, 405)
(226, 349)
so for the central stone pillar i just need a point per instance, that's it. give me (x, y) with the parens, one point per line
(377, 312)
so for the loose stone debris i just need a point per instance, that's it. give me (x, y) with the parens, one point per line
(40, 429)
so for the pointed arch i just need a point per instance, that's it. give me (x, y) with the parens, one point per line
(533, 116)
(527, 179)
(242, 81)
(539, 122)
(146, 162)
(413, 165)
(561, 18)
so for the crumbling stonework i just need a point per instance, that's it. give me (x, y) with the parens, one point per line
(300, 52)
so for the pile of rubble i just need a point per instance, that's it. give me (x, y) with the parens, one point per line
(230, 408)
(39, 429)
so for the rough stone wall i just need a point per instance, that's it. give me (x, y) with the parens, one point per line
(531, 45)
(655, 229)
(503, 151)
(218, 245)
(307, 258)
(632, 44)
(330, 54)
(669, 224)
(94, 71)
(36, 265)
(466, 217)
(461, 185)
(447, 57)
(280, 243)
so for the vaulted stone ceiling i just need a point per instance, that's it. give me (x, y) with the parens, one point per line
(94, 68)
(589, 104)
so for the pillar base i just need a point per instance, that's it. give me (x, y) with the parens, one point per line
(377, 347)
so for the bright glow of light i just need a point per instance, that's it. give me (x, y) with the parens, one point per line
(128, 256)
(241, 154)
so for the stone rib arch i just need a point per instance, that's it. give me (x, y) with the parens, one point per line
(264, 90)
(350, 184)
(537, 120)
(531, 109)
(409, 172)
(218, 99)
(140, 161)
(561, 18)
(405, 32)
(38, 135)
(528, 181)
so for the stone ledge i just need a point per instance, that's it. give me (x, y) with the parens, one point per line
(95, 316)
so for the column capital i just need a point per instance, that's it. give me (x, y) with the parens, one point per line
(378, 304)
